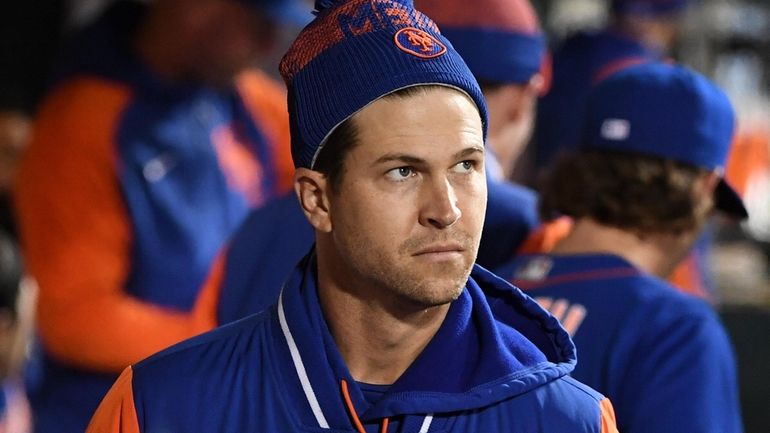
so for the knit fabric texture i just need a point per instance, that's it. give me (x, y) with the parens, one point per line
(357, 51)
(501, 40)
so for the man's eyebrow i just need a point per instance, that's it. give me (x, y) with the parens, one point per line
(413, 160)
(469, 151)
(400, 157)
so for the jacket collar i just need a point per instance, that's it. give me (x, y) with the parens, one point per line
(494, 344)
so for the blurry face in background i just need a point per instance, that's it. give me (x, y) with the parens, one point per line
(668, 31)
(232, 36)
(512, 110)
(658, 32)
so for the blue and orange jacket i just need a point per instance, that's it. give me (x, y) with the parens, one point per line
(660, 355)
(498, 363)
(128, 191)
(265, 249)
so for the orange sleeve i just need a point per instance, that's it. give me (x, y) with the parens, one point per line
(266, 100)
(77, 237)
(545, 237)
(608, 417)
(117, 413)
(686, 277)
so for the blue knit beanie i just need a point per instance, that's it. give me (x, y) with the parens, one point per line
(500, 40)
(355, 52)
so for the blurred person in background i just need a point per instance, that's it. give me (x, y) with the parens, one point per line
(17, 298)
(504, 47)
(30, 32)
(640, 189)
(637, 31)
(14, 135)
(156, 140)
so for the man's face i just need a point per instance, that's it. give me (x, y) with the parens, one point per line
(407, 217)
(511, 120)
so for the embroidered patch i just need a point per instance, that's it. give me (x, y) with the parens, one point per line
(419, 43)
(534, 270)
(616, 129)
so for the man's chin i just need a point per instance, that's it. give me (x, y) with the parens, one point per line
(440, 291)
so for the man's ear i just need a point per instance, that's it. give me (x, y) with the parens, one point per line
(523, 100)
(708, 182)
(312, 189)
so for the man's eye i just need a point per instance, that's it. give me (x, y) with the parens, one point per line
(465, 166)
(400, 173)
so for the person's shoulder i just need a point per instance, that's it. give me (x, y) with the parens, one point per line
(570, 403)
(660, 295)
(207, 351)
(664, 313)
(512, 195)
(563, 405)
(89, 96)
(511, 216)
(195, 384)
(263, 94)
(84, 113)
(577, 391)
(278, 225)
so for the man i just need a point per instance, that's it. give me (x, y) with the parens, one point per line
(640, 190)
(154, 144)
(380, 327)
(638, 31)
(275, 237)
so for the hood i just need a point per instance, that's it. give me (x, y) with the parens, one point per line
(495, 343)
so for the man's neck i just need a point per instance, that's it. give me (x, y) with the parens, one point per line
(378, 337)
(655, 254)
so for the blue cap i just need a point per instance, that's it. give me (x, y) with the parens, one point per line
(355, 52)
(666, 111)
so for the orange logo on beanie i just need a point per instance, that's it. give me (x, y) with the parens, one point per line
(419, 43)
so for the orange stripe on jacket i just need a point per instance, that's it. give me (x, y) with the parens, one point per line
(76, 237)
(266, 101)
(117, 412)
(608, 417)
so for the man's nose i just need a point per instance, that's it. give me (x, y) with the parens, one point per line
(439, 208)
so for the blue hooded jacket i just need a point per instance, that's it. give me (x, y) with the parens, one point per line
(498, 363)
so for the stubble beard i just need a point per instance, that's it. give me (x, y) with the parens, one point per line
(412, 281)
